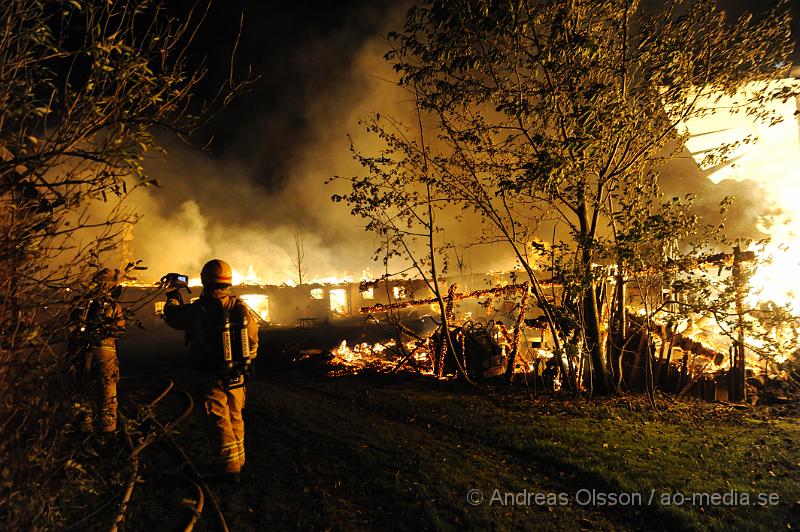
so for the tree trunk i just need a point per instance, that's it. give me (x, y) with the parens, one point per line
(591, 323)
(601, 379)
(617, 332)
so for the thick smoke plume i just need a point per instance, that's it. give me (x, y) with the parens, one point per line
(223, 207)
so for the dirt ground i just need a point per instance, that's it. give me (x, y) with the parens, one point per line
(406, 452)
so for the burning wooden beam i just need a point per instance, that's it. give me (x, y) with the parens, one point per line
(497, 291)
(718, 260)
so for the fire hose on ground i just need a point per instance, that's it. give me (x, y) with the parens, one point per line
(164, 430)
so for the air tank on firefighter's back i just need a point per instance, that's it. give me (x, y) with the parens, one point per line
(240, 319)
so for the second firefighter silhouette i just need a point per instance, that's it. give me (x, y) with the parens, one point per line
(97, 327)
(223, 339)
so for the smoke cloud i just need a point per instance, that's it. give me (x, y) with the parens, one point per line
(224, 207)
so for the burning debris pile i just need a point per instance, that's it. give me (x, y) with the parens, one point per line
(382, 357)
(702, 362)
(481, 351)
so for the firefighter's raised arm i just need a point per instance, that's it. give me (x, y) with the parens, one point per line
(176, 314)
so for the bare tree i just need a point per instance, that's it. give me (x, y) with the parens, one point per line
(85, 86)
(299, 266)
(402, 210)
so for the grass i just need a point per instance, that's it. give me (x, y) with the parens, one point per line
(371, 452)
(401, 452)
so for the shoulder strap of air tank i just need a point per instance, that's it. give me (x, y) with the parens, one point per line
(239, 302)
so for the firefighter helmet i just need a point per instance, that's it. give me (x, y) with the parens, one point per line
(216, 272)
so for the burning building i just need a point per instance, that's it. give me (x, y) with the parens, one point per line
(767, 155)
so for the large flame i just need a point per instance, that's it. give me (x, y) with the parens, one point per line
(254, 277)
(770, 158)
(777, 280)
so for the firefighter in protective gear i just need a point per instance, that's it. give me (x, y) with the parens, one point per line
(217, 323)
(98, 329)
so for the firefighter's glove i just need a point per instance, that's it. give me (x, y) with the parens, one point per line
(174, 294)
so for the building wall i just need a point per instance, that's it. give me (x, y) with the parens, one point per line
(294, 305)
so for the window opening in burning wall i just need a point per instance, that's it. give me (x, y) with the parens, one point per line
(316, 293)
(338, 298)
(369, 293)
(400, 292)
(258, 303)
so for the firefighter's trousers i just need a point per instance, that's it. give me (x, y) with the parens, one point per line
(103, 367)
(223, 409)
